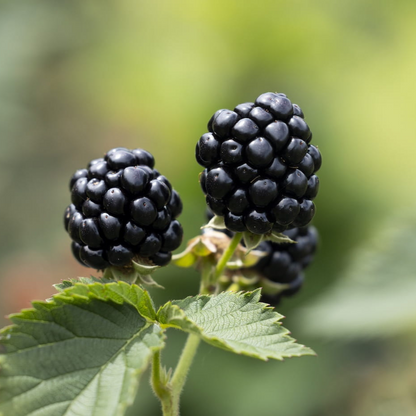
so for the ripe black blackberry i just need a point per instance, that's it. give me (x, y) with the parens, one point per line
(122, 208)
(284, 263)
(260, 166)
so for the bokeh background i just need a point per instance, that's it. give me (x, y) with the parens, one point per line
(80, 77)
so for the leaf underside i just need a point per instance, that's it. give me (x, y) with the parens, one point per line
(80, 353)
(236, 322)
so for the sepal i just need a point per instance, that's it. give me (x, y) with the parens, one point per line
(278, 238)
(272, 288)
(139, 272)
(216, 222)
(251, 240)
(211, 243)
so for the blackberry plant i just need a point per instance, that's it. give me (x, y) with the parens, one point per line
(82, 351)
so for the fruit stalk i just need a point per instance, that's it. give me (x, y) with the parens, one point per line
(227, 255)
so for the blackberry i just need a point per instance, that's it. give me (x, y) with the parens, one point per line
(238, 202)
(208, 148)
(284, 263)
(91, 209)
(150, 245)
(98, 170)
(174, 204)
(257, 222)
(260, 167)
(110, 226)
(219, 182)
(80, 173)
(122, 208)
(234, 223)
(134, 179)
(161, 258)
(217, 206)
(143, 211)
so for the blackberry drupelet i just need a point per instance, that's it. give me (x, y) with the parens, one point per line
(122, 208)
(284, 263)
(260, 168)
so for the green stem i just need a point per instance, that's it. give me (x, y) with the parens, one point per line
(182, 369)
(227, 255)
(210, 276)
(169, 393)
(206, 277)
(162, 391)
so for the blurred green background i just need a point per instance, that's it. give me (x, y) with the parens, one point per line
(80, 77)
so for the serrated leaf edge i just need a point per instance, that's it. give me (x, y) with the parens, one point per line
(64, 296)
(70, 292)
(194, 328)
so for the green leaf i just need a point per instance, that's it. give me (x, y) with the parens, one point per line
(81, 353)
(375, 297)
(236, 322)
(65, 284)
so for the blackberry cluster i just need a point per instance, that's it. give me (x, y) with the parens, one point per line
(121, 208)
(284, 263)
(260, 166)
